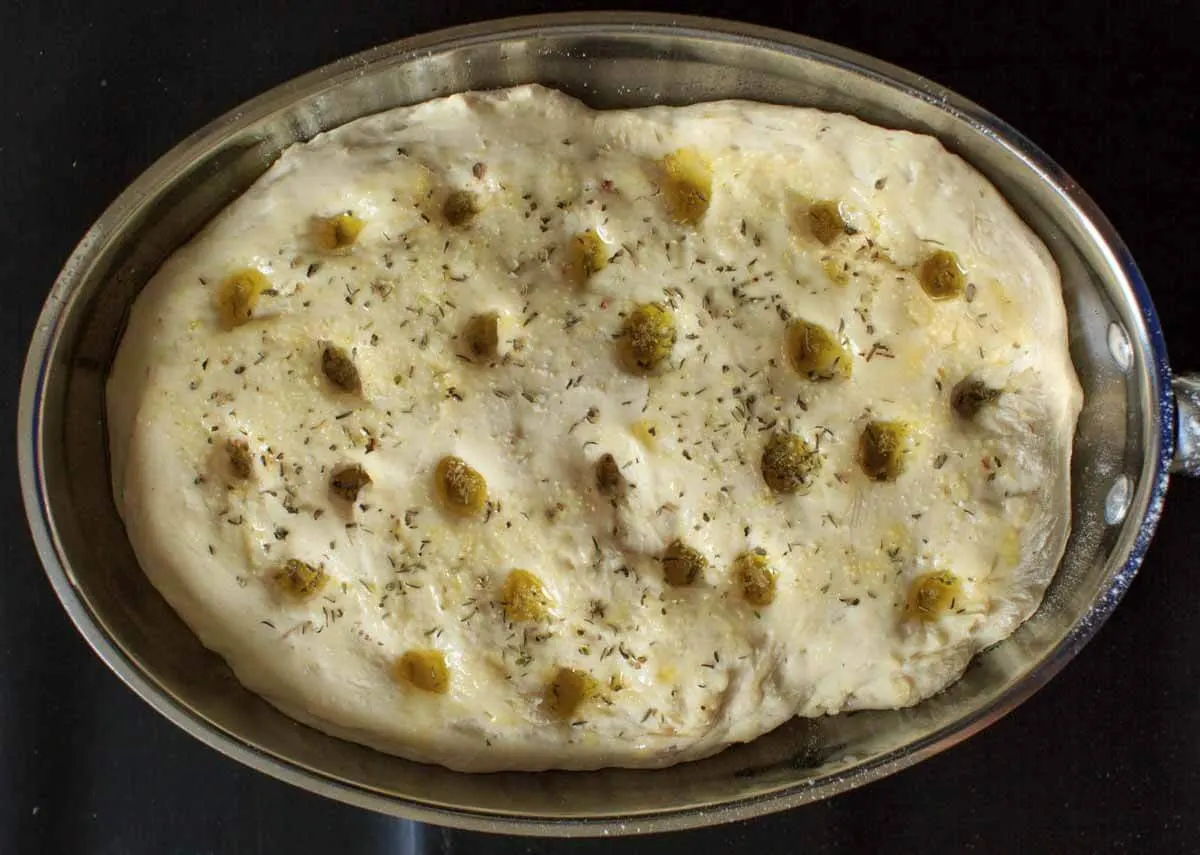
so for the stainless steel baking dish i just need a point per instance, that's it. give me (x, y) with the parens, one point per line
(1127, 438)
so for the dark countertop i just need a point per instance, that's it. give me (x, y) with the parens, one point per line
(1106, 758)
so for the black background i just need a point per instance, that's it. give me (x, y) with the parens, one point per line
(1105, 759)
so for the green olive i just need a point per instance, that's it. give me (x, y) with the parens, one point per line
(941, 276)
(240, 458)
(883, 450)
(687, 185)
(460, 207)
(789, 464)
(682, 564)
(482, 334)
(815, 353)
(609, 478)
(825, 222)
(461, 488)
(347, 481)
(238, 295)
(933, 594)
(423, 669)
(569, 690)
(586, 255)
(970, 395)
(300, 580)
(523, 597)
(648, 337)
(755, 577)
(339, 369)
(339, 232)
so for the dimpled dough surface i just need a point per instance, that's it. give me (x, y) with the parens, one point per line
(772, 408)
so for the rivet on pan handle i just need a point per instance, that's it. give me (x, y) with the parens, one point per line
(1187, 443)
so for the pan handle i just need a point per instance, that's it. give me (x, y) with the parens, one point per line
(1187, 438)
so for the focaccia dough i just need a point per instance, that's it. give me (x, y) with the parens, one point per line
(371, 261)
